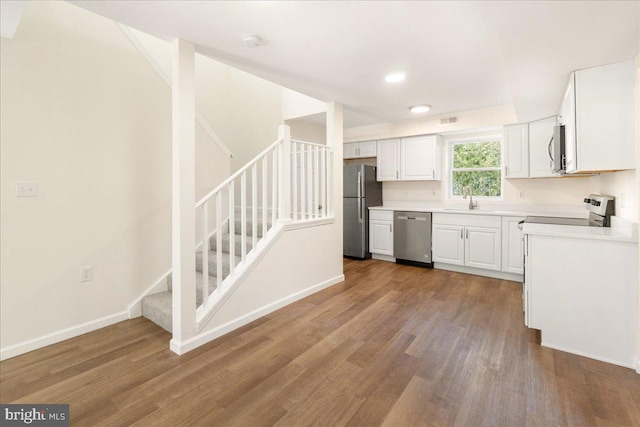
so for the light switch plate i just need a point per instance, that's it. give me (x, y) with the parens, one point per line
(26, 189)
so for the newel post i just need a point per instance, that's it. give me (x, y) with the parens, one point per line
(284, 173)
(183, 193)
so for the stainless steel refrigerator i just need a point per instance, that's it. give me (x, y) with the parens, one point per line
(361, 190)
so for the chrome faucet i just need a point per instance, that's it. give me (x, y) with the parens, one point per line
(468, 191)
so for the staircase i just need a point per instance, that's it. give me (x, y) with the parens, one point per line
(158, 307)
(288, 183)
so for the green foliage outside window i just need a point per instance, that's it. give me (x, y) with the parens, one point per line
(483, 156)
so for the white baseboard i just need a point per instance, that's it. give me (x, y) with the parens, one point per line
(160, 285)
(590, 356)
(205, 337)
(65, 334)
(479, 272)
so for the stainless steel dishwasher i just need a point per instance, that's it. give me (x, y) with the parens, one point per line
(412, 238)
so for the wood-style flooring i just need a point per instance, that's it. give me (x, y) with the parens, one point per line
(393, 345)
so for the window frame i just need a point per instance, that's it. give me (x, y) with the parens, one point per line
(451, 169)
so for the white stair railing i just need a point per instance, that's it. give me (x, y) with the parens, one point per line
(310, 180)
(288, 181)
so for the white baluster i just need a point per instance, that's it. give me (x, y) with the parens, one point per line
(264, 195)
(205, 254)
(219, 240)
(316, 181)
(309, 182)
(294, 181)
(323, 189)
(303, 185)
(274, 184)
(232, 227)
(254, 206)
(243, 216)
(330, 184)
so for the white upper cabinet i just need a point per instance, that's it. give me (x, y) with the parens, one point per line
(540, 160)
(357, 150)
(388, 160)
(516, 151)
(410, 159)
(599, 113)
(420, 158)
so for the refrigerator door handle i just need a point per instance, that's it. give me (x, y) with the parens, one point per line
(359, 185)
(359, 210)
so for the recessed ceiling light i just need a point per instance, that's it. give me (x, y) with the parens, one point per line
(395, 77)
(420, 108)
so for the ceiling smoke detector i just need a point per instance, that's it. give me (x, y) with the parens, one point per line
(252, 40)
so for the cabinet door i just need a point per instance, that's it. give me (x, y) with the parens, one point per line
(381, 237)
(516, 151)
(388, 160)
(512, 258)
(606, 117)
(540, 135)
(448, 244)
(568, 119)
(367, 149)
(350, 151)
(482, 248)
(418, 158)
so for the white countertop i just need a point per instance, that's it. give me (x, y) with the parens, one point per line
(508, 211)
(620, 231)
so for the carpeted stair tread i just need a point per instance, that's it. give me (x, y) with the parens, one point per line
(249, 231)
(157, 308)
(213, 263)
(213, 244)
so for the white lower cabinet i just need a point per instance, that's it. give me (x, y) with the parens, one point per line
(381, 232)
(512, 258)
(482, 248)
(448, 244)
(467, 240)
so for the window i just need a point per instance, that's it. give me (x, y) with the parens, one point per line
(478, 164)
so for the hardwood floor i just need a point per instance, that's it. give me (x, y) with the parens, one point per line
(393, 345)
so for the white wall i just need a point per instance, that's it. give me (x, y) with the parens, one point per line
(244, 110)
(86, 117)
(473, 119)
(304, 130)
(296, 105)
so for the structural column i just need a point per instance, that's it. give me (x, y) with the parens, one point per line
(183, 193)
(335, 141)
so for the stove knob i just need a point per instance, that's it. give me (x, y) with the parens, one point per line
(597, 203)
(587, 200)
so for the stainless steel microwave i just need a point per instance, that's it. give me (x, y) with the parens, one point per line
(557, 149)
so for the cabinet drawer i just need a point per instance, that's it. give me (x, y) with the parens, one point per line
(468, 220)
(382, 215)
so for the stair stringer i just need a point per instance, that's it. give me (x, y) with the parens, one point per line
(212, 326)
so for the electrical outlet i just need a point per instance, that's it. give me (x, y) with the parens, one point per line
(406, 195)
(86, 273)
(519, 195)
(26, 189)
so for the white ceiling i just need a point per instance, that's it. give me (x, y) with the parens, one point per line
(457, 55)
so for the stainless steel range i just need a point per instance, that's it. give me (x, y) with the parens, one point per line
(600, 208)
